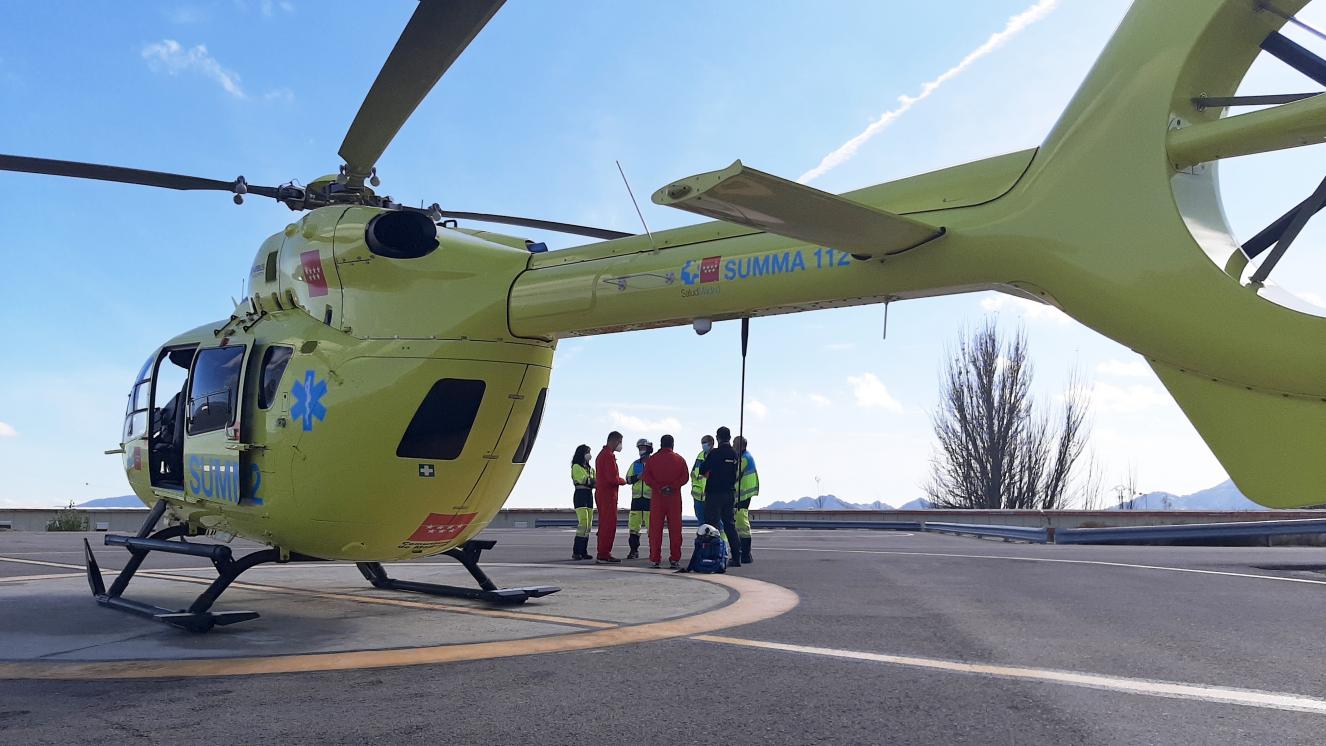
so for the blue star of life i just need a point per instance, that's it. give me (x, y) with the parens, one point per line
(308, 395)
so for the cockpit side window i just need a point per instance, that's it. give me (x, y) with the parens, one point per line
(140, 395)
(274, 361)
(214, 388)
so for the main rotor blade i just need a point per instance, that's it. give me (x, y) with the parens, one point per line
(547, 225)
(436, 35)
(123, 175)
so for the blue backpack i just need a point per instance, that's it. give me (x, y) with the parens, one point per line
(710, 555)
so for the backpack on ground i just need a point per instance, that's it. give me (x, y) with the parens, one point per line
(710, 554)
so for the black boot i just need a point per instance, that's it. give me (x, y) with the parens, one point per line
(745, 551)
(634, 541)
(581, 551)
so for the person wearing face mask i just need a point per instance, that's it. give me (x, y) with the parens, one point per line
(582, 477)
(720, 490)
(607, 478)
(638, 516)
(697, 478)
(748, 486)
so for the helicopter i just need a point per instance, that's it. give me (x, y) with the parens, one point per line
(375, 394)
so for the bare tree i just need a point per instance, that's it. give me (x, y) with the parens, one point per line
(996, 450)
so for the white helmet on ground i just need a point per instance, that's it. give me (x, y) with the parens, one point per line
(707, 530)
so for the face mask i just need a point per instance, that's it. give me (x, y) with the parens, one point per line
(643, 453)
(705, 447)
(617, 448)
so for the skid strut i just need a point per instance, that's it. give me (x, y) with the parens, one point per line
(467, 555)
(197, 617)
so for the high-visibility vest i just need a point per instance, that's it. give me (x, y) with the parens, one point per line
(637, 470)
(748, 483)
(582, 476)
(697, 479)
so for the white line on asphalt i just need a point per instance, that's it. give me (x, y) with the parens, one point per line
(1048, 559)
(1218, 694)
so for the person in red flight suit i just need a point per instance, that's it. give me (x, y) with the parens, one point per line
(606, 481)
(666, 472)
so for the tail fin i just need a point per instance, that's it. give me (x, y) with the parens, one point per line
(1272, 445)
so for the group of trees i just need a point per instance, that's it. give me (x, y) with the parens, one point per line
(998, 447)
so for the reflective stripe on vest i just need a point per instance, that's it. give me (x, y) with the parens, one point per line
(582, 476)
(697, 479)
(748, 484)
(639, 489)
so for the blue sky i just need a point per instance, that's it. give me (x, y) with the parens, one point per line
(530, 121)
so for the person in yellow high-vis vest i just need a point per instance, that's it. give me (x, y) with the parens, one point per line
(697, 479)
(748, 486)
(638, 518)
(582, 476)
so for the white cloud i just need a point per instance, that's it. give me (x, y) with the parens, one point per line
(7, 430)
(757, 408)
(1112, 399)
(849, 149)
(284, 95)
(840, 346)
(169, 56)
(639, 425)
(821, 400)
(871, 392)
(1131, 369)
(1028, 309)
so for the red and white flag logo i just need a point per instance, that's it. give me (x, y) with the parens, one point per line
(311, 261)
(709, 268)
(438, 527)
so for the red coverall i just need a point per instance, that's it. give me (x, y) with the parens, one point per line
(606, 481)
(665, 473)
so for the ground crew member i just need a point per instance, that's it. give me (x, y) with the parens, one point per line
(666, 475)
(639, 514)
(720, 490)
(582, 476)
(748, 486)
(606, 481)
(697, 478)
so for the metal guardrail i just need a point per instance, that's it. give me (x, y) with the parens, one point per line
(1189, 531)
(691, 522)
(1119, 534)
(1018, 533)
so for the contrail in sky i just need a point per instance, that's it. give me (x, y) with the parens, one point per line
(848, 149)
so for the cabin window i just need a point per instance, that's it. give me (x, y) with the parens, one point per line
(531, 432)
(214, 388)
(135, 415)
(442, 424)
(274, 361)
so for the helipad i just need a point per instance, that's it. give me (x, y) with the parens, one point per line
(320, 617)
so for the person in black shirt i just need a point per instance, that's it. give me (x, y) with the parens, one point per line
(720, 490)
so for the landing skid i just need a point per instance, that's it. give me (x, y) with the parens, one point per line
(197, 617)
(467, 555)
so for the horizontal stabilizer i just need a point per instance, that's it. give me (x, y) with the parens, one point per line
(745, 196)
(1271, 444)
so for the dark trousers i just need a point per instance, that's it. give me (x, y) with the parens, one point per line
(719, 509)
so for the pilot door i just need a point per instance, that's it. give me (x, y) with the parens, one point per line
(216, 461)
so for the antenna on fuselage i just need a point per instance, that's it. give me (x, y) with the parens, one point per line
(630, 193)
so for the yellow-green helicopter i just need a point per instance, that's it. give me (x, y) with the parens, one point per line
(375, 394)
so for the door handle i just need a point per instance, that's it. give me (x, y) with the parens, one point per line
(245, 447)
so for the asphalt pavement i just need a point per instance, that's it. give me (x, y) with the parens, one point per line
(895, 638)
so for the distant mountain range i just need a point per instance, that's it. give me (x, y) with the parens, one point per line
(833, 502)
(1223, 496)
(123, 501)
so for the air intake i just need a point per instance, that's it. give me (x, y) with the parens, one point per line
(401, 234)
